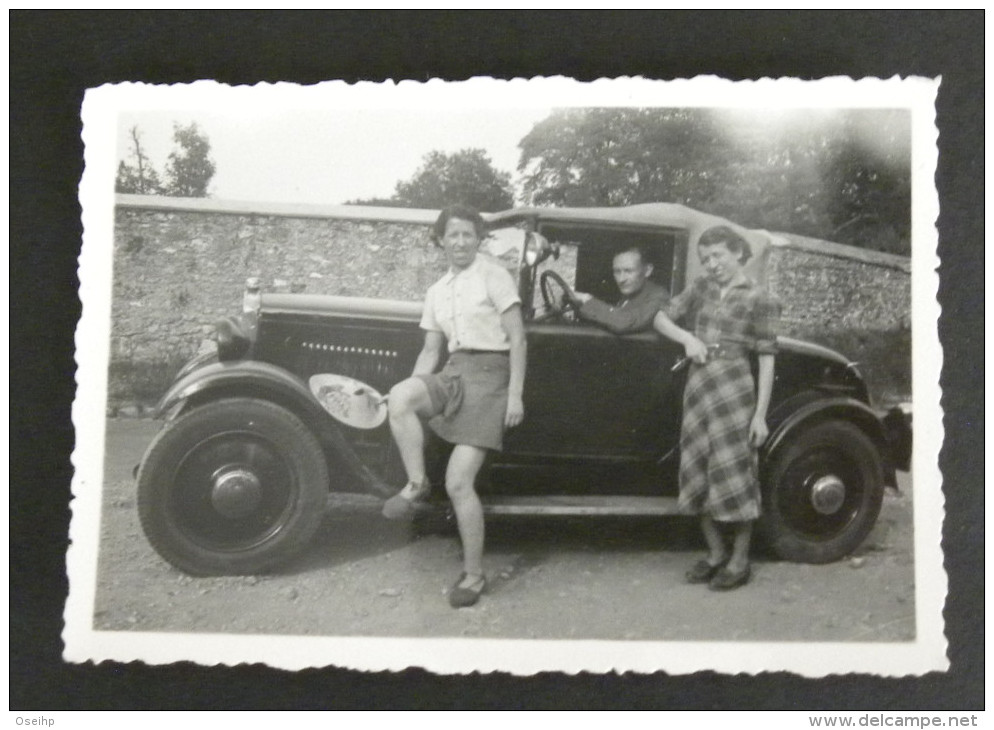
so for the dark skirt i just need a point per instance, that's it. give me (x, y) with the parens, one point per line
(469, 399)
(718, 465)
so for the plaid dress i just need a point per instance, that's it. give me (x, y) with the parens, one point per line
(718, 465)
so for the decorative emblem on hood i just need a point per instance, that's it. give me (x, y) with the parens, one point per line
(348, 400)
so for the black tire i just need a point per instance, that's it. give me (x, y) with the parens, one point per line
(233, 487)
(822, 493)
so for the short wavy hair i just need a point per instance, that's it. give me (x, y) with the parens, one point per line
(463, 213)
(636, 249)
(732, 240)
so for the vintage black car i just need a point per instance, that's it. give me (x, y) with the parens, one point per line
(287, 407)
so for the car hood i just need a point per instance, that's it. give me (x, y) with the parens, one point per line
(330, 304)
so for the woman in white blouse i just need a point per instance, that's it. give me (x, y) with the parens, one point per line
(473, 310)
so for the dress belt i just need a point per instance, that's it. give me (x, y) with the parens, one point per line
(723, 351)
(716, 351)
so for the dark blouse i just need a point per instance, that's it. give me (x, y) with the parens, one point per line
(747, 317)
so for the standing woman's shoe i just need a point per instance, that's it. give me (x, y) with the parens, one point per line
(726, 580)
(464, 596)
(702, 571)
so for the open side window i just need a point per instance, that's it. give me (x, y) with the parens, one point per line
(586, 254)
(594, 248)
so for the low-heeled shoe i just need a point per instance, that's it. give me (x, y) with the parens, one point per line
(401, 505)
(464, 597)
(702, 571)
(726, 580)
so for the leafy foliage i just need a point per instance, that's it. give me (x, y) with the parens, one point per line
(467, 176)
(607, 157)
(190, 167)
(379, 202)
(140, 177)
(843, 176)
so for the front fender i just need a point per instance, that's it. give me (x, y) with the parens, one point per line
(268, 382)
(845, 409)
(897, 426)
(246, 377)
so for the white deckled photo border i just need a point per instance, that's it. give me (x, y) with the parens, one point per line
(100, 114)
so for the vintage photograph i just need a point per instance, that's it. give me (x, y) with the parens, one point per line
(510, 375)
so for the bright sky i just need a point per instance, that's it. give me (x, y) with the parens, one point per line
(333, 142)
(328, 157)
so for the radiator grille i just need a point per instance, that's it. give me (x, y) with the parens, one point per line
(349, 349)
(375, 366)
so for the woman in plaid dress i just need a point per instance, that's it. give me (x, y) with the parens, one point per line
(724, 413)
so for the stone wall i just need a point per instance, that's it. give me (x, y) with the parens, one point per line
(854, 301)
(181, 264)
(827, 287)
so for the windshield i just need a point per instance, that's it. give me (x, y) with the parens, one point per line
(505, 246)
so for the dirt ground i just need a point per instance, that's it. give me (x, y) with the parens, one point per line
(549, 578)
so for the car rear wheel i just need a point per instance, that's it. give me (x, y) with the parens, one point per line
(233, 487)
(822, 493)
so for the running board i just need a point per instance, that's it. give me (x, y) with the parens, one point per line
(580, 506)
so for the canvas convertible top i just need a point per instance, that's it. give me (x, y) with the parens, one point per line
(666, 215)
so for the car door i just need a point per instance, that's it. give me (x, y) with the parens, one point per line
(592, 395)
(602, 411)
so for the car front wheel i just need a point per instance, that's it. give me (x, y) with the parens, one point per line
(236, 486)
(822, 493)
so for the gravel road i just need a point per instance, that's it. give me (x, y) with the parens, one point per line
(591, 579)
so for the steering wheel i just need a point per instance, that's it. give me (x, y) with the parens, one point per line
(548, 282)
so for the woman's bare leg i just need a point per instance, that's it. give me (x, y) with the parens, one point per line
(409, 402)
(460, 483)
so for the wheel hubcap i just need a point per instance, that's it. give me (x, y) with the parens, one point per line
(233, 491)
(828, 494)
(821, 493)
(236, 493)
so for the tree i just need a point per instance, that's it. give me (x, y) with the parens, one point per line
(591, 157)
(872, 176)
(379, 202)
(465, 177)
(188, 171)
(190, 167)
(141, 177)
(842, 176)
